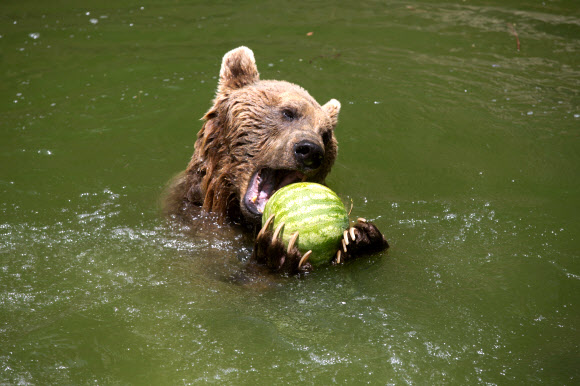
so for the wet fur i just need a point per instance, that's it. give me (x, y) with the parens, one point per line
(243, 131)
(257, 125)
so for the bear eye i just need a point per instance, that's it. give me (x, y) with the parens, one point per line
(289, 114)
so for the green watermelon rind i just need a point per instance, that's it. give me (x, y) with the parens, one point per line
(313, 210)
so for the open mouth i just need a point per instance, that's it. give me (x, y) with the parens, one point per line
(264, 183)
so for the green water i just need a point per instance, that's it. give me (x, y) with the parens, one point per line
(462, 149)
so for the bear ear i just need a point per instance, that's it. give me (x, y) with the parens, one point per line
(238, 69)
(332, 108)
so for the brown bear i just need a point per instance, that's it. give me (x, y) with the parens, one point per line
(259, 136)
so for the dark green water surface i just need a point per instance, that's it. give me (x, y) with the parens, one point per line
(462, 149)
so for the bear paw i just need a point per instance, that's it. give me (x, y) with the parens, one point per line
(361, 239)
(270, 251)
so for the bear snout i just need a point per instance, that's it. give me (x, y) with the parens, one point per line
(308, 155)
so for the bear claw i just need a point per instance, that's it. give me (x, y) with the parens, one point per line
(266, 225)
(292, 241)
(338, 256)
(278, 230)
(352, 233)
(270, 252)
(304, 259)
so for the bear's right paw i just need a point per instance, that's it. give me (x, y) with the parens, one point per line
(270, 251)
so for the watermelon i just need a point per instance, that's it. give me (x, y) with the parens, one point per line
(313, 210)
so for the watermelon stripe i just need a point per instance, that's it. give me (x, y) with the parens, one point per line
(313, 210)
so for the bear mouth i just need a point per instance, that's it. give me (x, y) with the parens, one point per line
(264, 183)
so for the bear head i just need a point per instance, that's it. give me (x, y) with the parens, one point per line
(258, 136)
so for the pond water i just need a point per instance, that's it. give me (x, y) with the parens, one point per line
(459, 137)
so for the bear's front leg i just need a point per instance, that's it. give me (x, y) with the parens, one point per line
(362, 238)
(270, 251)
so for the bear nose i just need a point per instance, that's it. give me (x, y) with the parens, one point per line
(308, 154)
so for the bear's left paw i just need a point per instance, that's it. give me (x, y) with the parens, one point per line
(270, 251)
(361, 239)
